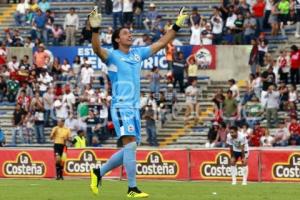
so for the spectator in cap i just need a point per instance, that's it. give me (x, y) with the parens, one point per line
(151, 16)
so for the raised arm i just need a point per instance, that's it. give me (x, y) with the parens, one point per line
(170, 35)
(95, 22)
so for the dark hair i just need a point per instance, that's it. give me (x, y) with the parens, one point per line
(26, 56)
(233, 128)
(79, 132)
(294, 48)
(229, 92)
(115, 35)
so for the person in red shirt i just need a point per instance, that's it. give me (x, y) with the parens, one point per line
(294, 129)
(258, 132)
(295, 65)
(258, 12)
(23, 100)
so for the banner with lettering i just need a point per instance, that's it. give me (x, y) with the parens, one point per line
(162, 164)
(34, 163)
(280, 165)
(79, 162)
(215, 165)
(205, 56)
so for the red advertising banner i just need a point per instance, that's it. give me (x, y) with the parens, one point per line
(162, 164)
(37, 163)
(205, 56)
(80, 161)
(215, 165)
(280, 165)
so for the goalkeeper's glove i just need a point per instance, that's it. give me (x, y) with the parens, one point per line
(95, 20)
(180, 21)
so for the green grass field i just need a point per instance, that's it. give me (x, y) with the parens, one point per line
(159, 190)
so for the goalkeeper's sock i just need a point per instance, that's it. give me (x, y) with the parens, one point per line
(233, 174)
(129, 161)
(115, 161)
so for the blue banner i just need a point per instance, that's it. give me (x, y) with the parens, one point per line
(70, 53)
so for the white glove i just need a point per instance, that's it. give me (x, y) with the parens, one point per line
(95, 19)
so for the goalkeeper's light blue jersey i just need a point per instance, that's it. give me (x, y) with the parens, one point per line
(124, 71)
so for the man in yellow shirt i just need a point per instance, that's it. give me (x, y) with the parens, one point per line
(60, 135)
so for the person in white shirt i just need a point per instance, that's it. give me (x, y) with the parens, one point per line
(13, 65)
(191, 94)
(196, 35)
(66, 70)
(117, 13)
(239, 149)
(235, 89)
(45, 81)
(266, 140)
(72, 123)
(206, 35)
(71, 25)
(21, 12)
(61, 111)
(69, 99)
(217, 29)
(106, 37)
(231, 19)
(86, 74)
(128, 12)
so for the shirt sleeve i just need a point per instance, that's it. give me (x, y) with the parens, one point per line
(228, 141)
(144, 52)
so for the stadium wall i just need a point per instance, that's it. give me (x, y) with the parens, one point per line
(170, 164)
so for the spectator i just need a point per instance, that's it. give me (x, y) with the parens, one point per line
(66, 70)
(12, 89)
(191, 94)
(170, 95)
(230, 108)
(253, 111)
(195, 38)
(268, 78)
(145, 40)
(40, 21)
(60, 109)
(40, 58)
(21, 12)
(82, 108)
(91, 122)
(38, 109)
(86, 34)
(155, 80)
(128, 13)
(150, 17)
(218, 106)
(238, 29)
(284, 10)
(106, 37)
(212, 135)
(79, 140)
(170, 51)
(249, 27)
(258, 132)
(117, 13)
(44, 5)
(283, 61)
(293, 97)
(231, 18)
(272, 106)
(296, 5)
(217, 29)
(69, 98)
(295, 65)
(23, 100)
(48, 100)
(3, 89)
(3, 54)
(253, 59)
(195, 17)
(71, 25)
(57, 33)
(86, 74)
(179, 66)
(206, 35)
(284, 96)
(294, 128)
(2, 138)
(268, 11)
(56, 69)
(221, 136)
(72, 123)
(13, 65)
(138, 9)
(149, 116)
(192, 70)
(258, 12)
(266, 140)
(262, 48)
(273, 19)
(18, 118)
(282, 135)
(235, 89)
(45, 81)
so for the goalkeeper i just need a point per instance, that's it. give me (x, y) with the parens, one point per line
(124, 65)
